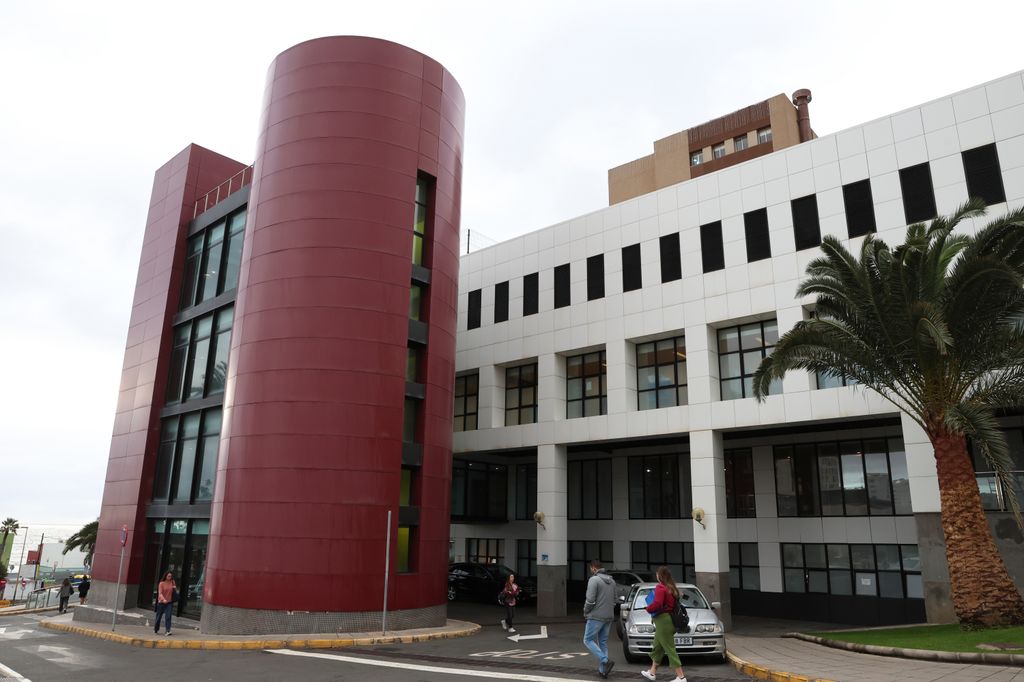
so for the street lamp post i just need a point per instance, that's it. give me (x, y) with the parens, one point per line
(21, 564)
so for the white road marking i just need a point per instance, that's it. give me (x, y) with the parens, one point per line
(13, 634)
(543, 635)
(13, 674)
(500, 675)
(64, 654)
(530, 653)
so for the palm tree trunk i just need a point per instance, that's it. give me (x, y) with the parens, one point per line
(982, 590)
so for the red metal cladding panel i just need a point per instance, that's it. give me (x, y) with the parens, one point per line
(310, 456)
(129, 479)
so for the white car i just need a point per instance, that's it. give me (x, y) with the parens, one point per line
(705, 635)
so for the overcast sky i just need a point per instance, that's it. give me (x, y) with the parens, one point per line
(94, 96)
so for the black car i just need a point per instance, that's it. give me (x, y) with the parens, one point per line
(483, 582)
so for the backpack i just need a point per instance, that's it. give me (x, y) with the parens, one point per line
(680, 618)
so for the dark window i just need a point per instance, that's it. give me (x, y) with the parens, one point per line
(654, 487)
(887, 571)
(410, 420)
(860, 208)
(530, 294)
(416, 303)
(806, 228)
(590, 489)
(984, 178)
(671, 268)
(501, 302)
(485, 550)
(740, 351)
(678, 556)
(739, 484)
(479, 491)
(526, 558)
(712, 251)
(412, 364)
(744, 566)
(632, 279)
(562, 297)
(199, 357)
(661, 374)
(755, 224)
(526, 491)
(849, 478)
(993, 492)
(595, 277)
(178, 546)
(918, 195)
(521, 395)
(582, 551)
(213, 260)
(467, 388)
(403, 549)
(187, 457)
(474, 310)
(586, 388)
(419, 224)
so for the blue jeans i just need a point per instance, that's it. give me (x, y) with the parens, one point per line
(165, 611)
(595, 637)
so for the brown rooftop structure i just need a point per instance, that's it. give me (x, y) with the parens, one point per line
(756, 130)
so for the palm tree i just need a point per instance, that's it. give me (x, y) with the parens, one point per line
(85, 540)
(8, 526)
(935, 326)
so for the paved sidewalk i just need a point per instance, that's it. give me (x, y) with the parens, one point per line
(760, 642)
(142, 636)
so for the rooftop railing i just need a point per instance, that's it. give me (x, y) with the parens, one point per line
(223, 191)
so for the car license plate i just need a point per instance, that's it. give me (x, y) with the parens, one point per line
(684, 641)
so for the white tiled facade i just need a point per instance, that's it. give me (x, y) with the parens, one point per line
(695, 306)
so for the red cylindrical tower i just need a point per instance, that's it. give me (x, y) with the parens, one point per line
(360, 140)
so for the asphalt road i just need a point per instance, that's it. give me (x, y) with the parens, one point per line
(42, 655)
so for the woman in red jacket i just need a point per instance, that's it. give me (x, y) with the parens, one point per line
(666, 594)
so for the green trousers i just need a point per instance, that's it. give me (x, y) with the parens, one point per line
(664, 641)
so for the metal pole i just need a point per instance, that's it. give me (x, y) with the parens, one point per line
(21, 563)
(39, 560)
(387, 570)
(117, 589)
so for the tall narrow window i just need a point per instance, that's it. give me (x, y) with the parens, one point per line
(739, 484)
(739, 143)
(473, 313)
(806, 228)
(718, 150)
(501, 302)
(661, 373)
(233, 252)
(632, 279)
(589, 489)
(466, 396)
(521, 395)
(595, 277)
(764, 135)
(586, 388)
(755, 225)
(860, 208)
(419, 226)
(671, 268)
(744, 566)
(984, 178)
(415, 302)
(526, 491)
(654, 487)
(740, 351)
(562, 286)
(918, 194)
(712, 251)
(530, 296)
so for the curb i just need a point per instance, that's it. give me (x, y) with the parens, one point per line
(987, 658)
(761, 673)
(464, 629)
(25, 612)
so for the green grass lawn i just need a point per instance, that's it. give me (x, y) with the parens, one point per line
(933, 637)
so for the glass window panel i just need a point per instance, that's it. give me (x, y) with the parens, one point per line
(472, 381)
(863, 557)
(512, 398)
(574, 409)
(814, 555)
(526, 396)
(667, 397)
(785, 483)
(592, 364)
(771, 332)
(512, 417)
(735, 577)
(840, 582)
(527, 415)
(750, 336)
(734, 554)
(911, 558)
(636, 494)
(817, 582)
(645, 355)
(592, 408)
(459, 425)
(879, 494)
(729, 365)
(865, 584)
(900, 477)
(232, 262)
(512, 377)
(888, 557)
(792, 555)
(210, 275)
(915, 588)
(574, 389)
(728, 340)
(470, 404)
(589, 490)
(647, 400)
(592, 386)
(646, 378)
(666, 375)
(682, 394)
(528, 375)
(164, 464)
(853, 484)
(794, 580)
(574, 366)
(666, 351)
(200, 358)
(806, 471)
(748, 551)
(411, 362)
(219, 368)
(471, 422)
(751, 361)
(415, 296)
(190, 426)
(838, 556)
(751, 579)
(890, 585)
(186, 467)
(208, 469)
(830, 481)
(190, 279)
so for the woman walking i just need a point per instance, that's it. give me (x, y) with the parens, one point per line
(65, 595)
(666, 594)
(166, 595)
(509, 593)
(83, 589)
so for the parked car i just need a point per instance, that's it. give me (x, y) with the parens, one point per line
(624, 581)
(483, 582)
(705, 634)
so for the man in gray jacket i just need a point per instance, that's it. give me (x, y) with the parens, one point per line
(599, 610)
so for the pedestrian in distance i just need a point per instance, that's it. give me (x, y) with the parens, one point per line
(599, 610)
(666, 595)
(166, 595)
(83, 589)
(65, 593)
(509, 594)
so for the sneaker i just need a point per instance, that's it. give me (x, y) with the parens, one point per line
(512, 630)
(679, 679)
(504, 626)
(168, 634)
(648, 674)
(607, 669)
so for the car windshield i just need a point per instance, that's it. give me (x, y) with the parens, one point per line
(692, 599)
